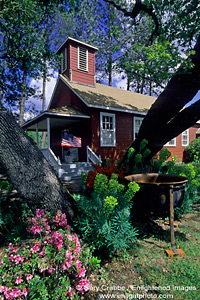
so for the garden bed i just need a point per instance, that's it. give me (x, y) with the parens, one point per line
(147, 265)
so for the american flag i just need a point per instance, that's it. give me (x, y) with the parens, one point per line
(69, 140)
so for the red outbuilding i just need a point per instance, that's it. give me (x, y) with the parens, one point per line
(102, 120)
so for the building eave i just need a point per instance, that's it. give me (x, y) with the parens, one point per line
(51, 114)
(77, 41)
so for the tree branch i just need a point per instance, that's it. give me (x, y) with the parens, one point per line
(138, 7)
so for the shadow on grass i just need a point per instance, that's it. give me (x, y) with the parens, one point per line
(148, 227)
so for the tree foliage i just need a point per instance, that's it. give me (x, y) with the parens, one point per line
(168, 116)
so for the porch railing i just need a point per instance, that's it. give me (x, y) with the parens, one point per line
(52, 159)
(91, 156)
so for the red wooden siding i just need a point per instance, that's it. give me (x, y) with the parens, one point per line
(79, 76)
(179, 149)
(124, 135)
(65, 96)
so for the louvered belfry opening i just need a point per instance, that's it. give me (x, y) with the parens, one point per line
(77, 62)
(64, 60)
(82, 59)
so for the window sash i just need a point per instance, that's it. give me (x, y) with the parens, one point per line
(185, 137)
(137, 123)
(107, 129)
(171, 143)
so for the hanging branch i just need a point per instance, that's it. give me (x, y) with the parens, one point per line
(138, 7)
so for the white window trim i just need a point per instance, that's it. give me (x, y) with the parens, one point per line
(171, 145)
(64, 53)
(86, 70)
(101, 130)
(187, 134)
(135, 119)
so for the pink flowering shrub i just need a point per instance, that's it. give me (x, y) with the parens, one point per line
(54, 265)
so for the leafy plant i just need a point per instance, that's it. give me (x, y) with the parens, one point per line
(192, 151)
(53, 265)
(104, 215)
(191, 194)
(108, 169)
(12, 214)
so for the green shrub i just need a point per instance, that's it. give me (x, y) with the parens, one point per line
(191, 194)
(192, 151)
(87, 179)
(12, 214)
(104, 216)
(54, 264)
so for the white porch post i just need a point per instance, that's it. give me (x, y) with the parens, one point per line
(37, 139)
(48, 132)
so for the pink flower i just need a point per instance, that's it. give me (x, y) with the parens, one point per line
(39, 213)
(59, 245)
(68, 261)
(68, 255)
(42, 253)
(63, 222)
(17, 258)
(29, 277)
(37, 229)
(69, 237)
(56, 219)
(18, 280)
(1, 288)
(69, 292)
(78, 264)
(83, 285)
(11, 257)
(15, 293)
(13, 249)
(51, 270)
(36, 247)
(7, 294)
(25, 291)
(81, 272)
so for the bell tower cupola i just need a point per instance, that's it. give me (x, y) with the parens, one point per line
(78, 61)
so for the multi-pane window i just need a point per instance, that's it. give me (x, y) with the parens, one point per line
(136, 128)
(185, 137)
(171, 143)
(82, 59)
(107, 125)
(64, 61)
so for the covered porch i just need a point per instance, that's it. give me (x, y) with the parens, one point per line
(67, 161)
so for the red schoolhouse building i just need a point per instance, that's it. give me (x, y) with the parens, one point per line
(104, 119)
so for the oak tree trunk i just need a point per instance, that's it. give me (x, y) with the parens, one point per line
(28, 170)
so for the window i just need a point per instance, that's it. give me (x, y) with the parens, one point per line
(82, 59)
(171, 143)
(185, 137)
(107, 129)
(136, 126)
(64, 61)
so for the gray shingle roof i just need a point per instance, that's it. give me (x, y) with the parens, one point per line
(107, 96)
